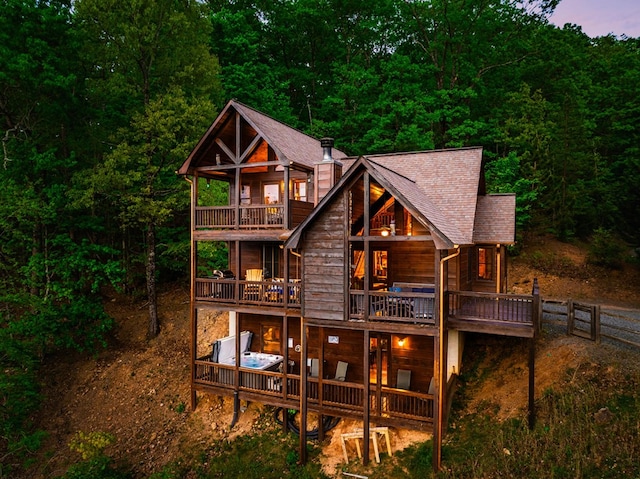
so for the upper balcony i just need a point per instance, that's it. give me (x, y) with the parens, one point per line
(252, 217)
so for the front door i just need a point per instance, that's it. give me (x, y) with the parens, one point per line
(379, 358)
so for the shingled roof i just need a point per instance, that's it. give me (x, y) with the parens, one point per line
(441, 189)
(289, 144)
(495, 219)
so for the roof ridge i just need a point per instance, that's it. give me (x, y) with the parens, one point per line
(416, 152)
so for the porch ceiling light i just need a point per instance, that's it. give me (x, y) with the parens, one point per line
(384, 231)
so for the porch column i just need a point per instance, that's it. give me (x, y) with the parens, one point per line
(366, 400)
(192, 294)
(303, 392)
(532, 360)
(437, 355)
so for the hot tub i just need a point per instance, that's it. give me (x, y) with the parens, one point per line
(262, 361)
(254, 360)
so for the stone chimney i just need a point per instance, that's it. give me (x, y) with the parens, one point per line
(327, 172)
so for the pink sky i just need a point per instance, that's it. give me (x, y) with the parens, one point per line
(600, 17)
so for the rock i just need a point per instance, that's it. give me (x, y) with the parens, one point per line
(603, 416)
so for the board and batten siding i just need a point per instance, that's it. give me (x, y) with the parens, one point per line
(324, 262)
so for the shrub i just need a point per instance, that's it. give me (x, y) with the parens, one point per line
(605, 249)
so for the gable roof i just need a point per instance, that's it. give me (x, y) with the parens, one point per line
(440, 188)
(290, 145)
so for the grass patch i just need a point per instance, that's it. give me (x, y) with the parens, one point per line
(587, 429)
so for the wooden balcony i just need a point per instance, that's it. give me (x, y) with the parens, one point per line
(240, 292)
(328, 396)
(251, 217)
(392, 306)
(493, 313)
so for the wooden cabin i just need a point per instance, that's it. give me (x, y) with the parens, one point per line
(350, 281)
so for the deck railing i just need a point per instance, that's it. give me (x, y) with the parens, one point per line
(392, 306)
(507, 308)
(260, 293)
(249, 217)
(335, 395)
(401, 403)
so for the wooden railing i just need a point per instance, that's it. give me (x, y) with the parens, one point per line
(392, 306)
(261, 293)
(401, 403)
(335, 395)
(251, 216)
(507, 308)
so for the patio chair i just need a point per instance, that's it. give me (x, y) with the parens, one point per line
(404, 379)
(341, 371)
(315, 368)
(254, 284)
(432, 387)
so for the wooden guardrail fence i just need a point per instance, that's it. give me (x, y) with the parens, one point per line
(594, 322)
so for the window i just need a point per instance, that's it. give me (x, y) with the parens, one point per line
(245, 195)
(485, 263)
(270, 339)
(300, 190)
(271, 194)
(271, 261)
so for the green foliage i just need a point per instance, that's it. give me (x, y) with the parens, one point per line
(605, 249)
(94, 464)
(19, 391)
(505, 176)
(261, 457)
(212, 255)
(91, 445)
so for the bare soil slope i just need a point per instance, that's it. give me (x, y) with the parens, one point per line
(138, 390)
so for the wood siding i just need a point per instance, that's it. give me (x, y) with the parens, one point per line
(411, 262)
(416, 355)
(324, 265)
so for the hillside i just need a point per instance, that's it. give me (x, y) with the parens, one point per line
(139, 390)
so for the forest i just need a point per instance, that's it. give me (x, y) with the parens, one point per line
(102, 100)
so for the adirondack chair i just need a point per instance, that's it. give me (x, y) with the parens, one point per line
(253, 287)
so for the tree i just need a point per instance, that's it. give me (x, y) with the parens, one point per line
(152, 74)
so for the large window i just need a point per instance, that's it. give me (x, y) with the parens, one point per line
(485, 263)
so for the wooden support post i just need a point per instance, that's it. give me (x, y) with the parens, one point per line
(303, 393)
(194, 322)
(532, 404)
(367, 390)
(595, 323)
(193, 312)
(285, 368)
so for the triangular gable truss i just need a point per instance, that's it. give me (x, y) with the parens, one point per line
(353, 175)
(231, 140)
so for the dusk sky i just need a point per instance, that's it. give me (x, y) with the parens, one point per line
(600, 17)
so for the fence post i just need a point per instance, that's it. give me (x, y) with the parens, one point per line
(537, 307)
(595, 323)
(570, 316)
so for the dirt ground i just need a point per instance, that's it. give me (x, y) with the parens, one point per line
(138, 390)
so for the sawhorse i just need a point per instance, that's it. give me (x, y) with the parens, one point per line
(358, 434)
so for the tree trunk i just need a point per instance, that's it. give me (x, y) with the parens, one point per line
(152, 297)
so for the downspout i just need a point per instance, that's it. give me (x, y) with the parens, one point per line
(442, 353)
